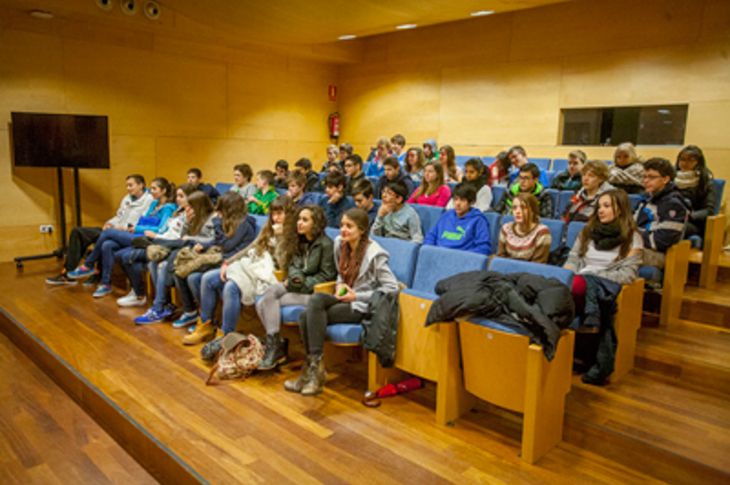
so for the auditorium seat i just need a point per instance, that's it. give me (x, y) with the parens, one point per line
(550, 175)
(556, 226)
(542, 163)
(488, 160)
(461, 159)
(429, 216)
(223, 187)
(564, 199)
(497, 194)
(559, 165)
(493, 219)
(554, 195)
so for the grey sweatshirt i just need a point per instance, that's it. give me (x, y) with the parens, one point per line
(403, 224)
(130, 210)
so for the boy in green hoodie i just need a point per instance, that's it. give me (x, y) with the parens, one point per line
(265, 195)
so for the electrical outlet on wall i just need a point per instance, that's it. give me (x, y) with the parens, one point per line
(46, 228)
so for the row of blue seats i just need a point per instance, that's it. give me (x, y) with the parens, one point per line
(555, 165)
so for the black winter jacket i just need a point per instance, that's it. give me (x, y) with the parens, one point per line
(661, 218)
(380, 328)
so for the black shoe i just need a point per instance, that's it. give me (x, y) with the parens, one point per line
(60, 280)
(275, 354)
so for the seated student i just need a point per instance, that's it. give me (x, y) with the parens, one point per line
(595, 182)
(527, 183)
(297, 182)
(430, 150)
(242, 185)
(305, 166)
(281, 179)
(375, 167)
(499, 170)
(393, 173)
(333, 160)
(113, 240)
(309, 260)
(234, 230)
(362, 193)
(195, 178)
(353, 170)
(345, 151)
(395, 218)
(265, 193)
(199, 228)
(571, 178)
(414, 164)
(476, 176)
(525, 238)
(362, 268)
(462, 227)
(134, 260)
(447, 159)
(398, 142)
(694, 181)
(662, 216)
(433, 190)
(229, 283)
(518, 158)
(627, 171)
(131, 208)
(335, 203)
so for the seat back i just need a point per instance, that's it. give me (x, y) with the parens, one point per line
(557, 227)
(497, 194)
(488, 160)
(563, 202)
(260, 222)
(223, 187)
(508, 266)
(281, 191)
(403, 256)
(635, 199)
(554, 194)
(429, 216)
(559, 164)
(574, 229)
(461, 159)
(493, 220)
(550, 174)
(719, 189)
(436, 263)
(542, 163)
(332, 232)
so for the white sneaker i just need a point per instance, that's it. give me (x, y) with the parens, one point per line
(132, 300)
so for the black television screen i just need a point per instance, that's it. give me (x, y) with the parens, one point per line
(60, 140)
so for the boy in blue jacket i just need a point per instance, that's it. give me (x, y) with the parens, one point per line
(462, 227)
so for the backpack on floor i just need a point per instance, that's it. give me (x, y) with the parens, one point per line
(239, 356)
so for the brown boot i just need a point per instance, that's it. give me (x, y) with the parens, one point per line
(296, 385)
(315, 384)
(204, 332)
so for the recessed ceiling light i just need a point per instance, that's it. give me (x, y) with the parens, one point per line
(406, 26)
(347, 37)
(41, 14)
(482, 13)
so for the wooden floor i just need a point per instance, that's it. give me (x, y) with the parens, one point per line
(46, 438)
(667, 421)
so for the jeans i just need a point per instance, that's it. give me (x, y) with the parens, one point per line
(133, 263)
(210, 288)
(108, 243)
(323, 310)
(162, 279)
(79, 240)
(269, 306)
(189, 290)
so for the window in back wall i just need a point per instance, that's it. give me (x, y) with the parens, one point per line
(641, 125)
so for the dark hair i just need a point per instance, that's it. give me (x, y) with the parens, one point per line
(349, 264)
(266, 175)
(532, 168)
(355, 158)
(297, 244)
(661, 165)
(282, 164)
(693, 151)
(466, 192)
(533, 206)
(244, 169)
(364, 187)
(298, 178)
(481, 180)
(398, 139)
(503, 159)
(597, 168)
(137, 178)
(334, 179)
(622, 212)
(517, 148)
(450, 160)
(196, 172)
(168, 189)
(233, 210)
(203, 208)
(280, 204)
(420, 159)
(391, 162)
(347, 148)
(398, 188)
(186, 188)
(427, 188)
(304, 163)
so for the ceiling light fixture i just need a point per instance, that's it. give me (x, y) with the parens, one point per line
(406, 26)
(41, 14)
(482, 13)
(346, 37)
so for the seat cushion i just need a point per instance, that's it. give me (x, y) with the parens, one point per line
(344, 333)
(290, 313)
(696, 241)
(501, 327)
(651, 273)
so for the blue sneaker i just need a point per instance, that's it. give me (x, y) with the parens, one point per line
(187, 318)
(150, 316)
(80, 272)
(102, 291)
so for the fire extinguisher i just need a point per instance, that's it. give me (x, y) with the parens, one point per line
(334, 125)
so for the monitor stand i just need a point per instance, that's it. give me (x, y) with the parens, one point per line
(61, 251)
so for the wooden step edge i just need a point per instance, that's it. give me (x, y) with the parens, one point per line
(689, 375)
(159, 461)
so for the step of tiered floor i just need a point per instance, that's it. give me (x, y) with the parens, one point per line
(667, 421)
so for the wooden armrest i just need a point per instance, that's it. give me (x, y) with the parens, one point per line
(280, 274)
(326, 287)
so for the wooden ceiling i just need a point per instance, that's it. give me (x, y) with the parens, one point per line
(281, 22)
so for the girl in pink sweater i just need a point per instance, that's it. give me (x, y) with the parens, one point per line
(433, 190)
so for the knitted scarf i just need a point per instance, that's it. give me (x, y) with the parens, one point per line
(350, 262)
(606, 236)
(687, 179)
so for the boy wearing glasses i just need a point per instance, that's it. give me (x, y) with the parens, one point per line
(527, 182)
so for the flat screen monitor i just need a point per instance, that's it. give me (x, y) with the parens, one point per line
(60, 140)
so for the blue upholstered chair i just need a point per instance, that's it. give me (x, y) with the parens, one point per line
(260, 222)
(281, 191)
(559, 164)
(429, 216)
(497, 194)
(554, 195)
(574, 229)
(542, 163)
(332, 232)
(488, 160)
(461, 159)
(223, 187)
(557, 228)
(564, 199)
(635, 199)
(550, 174)
(493, 219)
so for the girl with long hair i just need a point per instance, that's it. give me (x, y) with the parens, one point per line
(499, 169)
(694, 181)
(525, 238)
(414, 164)
(433, 190)
(362, 268)
(309, 258)
(475, 175)
(447, 159)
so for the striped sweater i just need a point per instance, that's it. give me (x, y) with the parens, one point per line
(533, 246)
